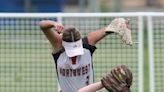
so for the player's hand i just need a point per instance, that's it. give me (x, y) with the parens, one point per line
(59, 27)
(48, 24)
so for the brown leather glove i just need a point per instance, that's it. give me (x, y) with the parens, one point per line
(119, 80)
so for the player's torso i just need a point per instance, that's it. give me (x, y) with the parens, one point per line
(74, 73)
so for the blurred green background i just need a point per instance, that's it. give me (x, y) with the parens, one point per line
(26, 63)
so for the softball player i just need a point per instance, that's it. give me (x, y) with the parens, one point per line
(73, 54)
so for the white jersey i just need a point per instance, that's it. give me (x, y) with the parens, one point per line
(75, 73)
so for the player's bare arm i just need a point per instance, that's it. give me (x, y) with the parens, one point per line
(120, 26)
(53, 36)
(92, 87)
(95, 36)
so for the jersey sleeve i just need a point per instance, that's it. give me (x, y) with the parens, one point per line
(88, 46)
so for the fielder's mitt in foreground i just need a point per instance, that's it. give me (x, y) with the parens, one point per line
(119, 80)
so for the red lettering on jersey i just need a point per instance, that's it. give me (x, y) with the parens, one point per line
(86, 68)
(67, 72)
(63, 72)
(74, 72)
(79, 71)
(83, 70)
(70, 72)
(73, 60)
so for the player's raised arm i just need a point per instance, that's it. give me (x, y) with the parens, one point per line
(52, 31)
(95, 36)
(120, 26)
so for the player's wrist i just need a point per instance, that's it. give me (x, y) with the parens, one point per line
(107, 31)
(46, 27)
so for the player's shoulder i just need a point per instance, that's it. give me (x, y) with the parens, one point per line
(86, 45)
(85, 40)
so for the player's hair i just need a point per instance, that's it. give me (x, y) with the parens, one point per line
(71, 35)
